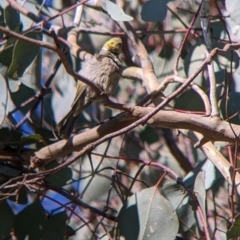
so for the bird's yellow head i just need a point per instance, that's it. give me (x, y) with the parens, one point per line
(114, 45)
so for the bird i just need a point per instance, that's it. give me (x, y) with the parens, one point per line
(104, 70)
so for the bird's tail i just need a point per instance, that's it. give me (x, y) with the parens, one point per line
(66, 125)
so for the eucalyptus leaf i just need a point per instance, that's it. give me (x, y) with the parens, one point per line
(234, 231)
(30, 139)
(60, 178)
(163, 65)
(13, 85)
(9, 170)
(95, 186)
(175, 194)
(149, 135)
(55, 227)
(180, 201)
(12, 18)
(147, 215)
(23, 94)
(233, 8)
(7, 219)
(187, 214)
(24, 54)
(21, 197)
(3, 99)
(200, 192)
(9, 137)
(198, 53)
(154, 10)
(115, 11)
(32, 76)
(2, 21)
(212, 175)
(6, 53)
(29, 222)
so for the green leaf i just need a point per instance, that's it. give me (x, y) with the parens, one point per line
(60, 178)
(30, 221)
(163, 66)
(197, 54)
(200, 192)
(23, 94)
(147, 215)
(21, 197)
(3, 99)
(212, 175)
(7, 220)
(32, 77)
(179, 199)
(9, 137)
(95, 186)
(12, 18)
(6, 53)
(174, 193)
(132, 146)
(221, 63)
(115, 11)
(24, 54)
(187, 214)
(13, 85)
(234, 231)
(2, 21)
(193, 60)
(30, 139)
(149, 135)
(233, 8)
(154, 10)
(9, 170)
(196, 103)
(55, 227)
(69, 231)
(46, 134)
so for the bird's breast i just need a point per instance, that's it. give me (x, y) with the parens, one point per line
(104, 72)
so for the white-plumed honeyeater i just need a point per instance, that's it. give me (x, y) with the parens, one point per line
(104, 69)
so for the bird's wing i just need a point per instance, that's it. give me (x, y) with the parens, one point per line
(78, 103)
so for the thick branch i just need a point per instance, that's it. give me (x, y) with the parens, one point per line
(213, 129)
